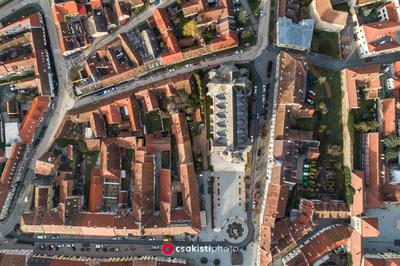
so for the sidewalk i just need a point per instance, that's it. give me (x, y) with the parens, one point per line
(347, 145)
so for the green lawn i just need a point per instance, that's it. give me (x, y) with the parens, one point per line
(326, 43)
(247, 37)
(327, 126)
(306, 123)
(335, 114)
(153, 122)
(365, 113)
(127, 160)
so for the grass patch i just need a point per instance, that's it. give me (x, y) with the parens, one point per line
(153, 122)
(348, 189)
(365, 113)
(327, 126)
(247, 37)
(342, 7)
(167, 123)
(326, 43)
(306, 123)
(174, 159)
(127, 160)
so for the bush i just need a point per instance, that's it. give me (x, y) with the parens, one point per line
(348, 189)
(56, 152)
(201, 92)
(366, 126)
(190, 29)
(392, 147)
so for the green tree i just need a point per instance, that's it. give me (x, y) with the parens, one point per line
(366, 126)
(162, 45)
(321, 80)
(391, 154)
(243, 17)
(190, 29)
(391, 141)
(322, 128)
(323, 108)
(334, 151)
(246, 34)
(56, 152)
(23, 98)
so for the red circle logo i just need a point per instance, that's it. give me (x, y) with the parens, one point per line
(167, 249)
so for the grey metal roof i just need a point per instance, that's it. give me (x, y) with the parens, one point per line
(300, 34)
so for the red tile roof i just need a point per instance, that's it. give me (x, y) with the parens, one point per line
(389, 116)
(326, 242)
(61, 10)
(357, 182)
(377, 32)
(110, 163)
(328, 14)
(370, 227)
(373, 172)
(98, 125)
(96, 191)
(10, 169)
(33, 118)
(368, 76)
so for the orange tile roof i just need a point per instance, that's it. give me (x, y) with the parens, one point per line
(97, 125)
(150, 101)
(374, 261)
(328, 14)
(67, 39)
(192, 7)
(10, 169)
(373, 179)
(33, 118)
(167, 31)
(111, 111)
(96, 191)
(190, 193)
(61, 10)
(370, 227)
(213, 14)
(356, 248)
(368, 76)
(375, 32)
(47, 164)
(326, 242)
(389, 116)
(293, 74)
(110, 163)
(96, 4)
(357, 182)
(180, 128)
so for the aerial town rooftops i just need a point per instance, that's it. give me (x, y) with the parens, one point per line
(10, 169)
(33, 118)
(365, 78)
(68, 22)
(293, 74)
(326, 242)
